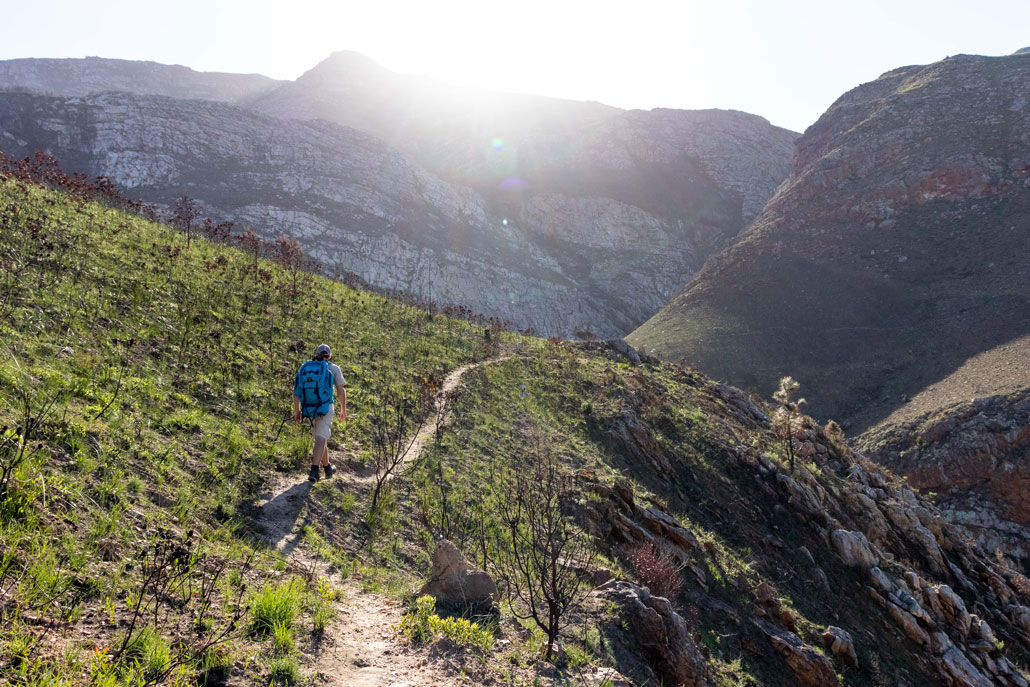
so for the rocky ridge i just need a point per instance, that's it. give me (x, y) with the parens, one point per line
(80, 77)
(861, 535)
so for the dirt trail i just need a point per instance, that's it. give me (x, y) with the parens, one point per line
(360, 647)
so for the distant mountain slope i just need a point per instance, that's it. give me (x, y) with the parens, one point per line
(577, 217)
(660, 160)
(895, 251)
(558, 263)
(78, 77)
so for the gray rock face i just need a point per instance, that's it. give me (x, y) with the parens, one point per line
(854, 548)
(454, 584)
(79, 77)
(660, 632)
(590, 257)
(811, 668)
(841, 645)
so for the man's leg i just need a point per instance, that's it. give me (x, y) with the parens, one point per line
(325, 454)
(320, 453)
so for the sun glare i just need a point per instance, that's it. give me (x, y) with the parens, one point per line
(539, 47)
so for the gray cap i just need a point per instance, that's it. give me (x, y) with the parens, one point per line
(322, 352)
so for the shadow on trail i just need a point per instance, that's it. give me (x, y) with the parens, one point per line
(279, 515)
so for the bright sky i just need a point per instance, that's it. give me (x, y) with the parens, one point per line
(787, 61)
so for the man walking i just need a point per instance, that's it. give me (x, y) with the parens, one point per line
(313, 398)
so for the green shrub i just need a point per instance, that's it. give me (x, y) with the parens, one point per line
(275, 604)
(576, 657)
(150, 652)
(285, 670)
(282, 639)
(423, 625)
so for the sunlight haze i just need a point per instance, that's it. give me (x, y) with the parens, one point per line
(784, 61)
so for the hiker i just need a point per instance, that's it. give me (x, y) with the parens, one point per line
(313, 399)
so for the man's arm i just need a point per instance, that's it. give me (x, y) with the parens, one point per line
(296, 409)
(342, 391)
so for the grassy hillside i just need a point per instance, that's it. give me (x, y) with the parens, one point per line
(144, 386)
(143, 390)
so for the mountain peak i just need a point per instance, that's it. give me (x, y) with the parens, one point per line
(344, 63)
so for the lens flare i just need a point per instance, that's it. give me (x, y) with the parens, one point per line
(497, 143)
(512, 184)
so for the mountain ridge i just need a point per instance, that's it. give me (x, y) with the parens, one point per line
(909, 271)
(591, 235)
(89, 75)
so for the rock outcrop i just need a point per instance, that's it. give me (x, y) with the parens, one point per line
(841, 645)
(975, 458)
(455, 585)
(854, 548)
(811, 668)
(659, 634)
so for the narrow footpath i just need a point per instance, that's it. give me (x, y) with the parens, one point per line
(360, 647)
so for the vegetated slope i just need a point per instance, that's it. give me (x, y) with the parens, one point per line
(144, 392)
(891, 255)
(967, 439)
(79, 77)
(157, 375)
(675, 459)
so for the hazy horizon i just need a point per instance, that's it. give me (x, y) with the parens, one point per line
(786, 63)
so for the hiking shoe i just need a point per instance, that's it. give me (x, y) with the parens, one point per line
(329, 471)
(313, 474)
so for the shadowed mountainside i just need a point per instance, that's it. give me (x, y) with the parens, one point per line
(894, 251)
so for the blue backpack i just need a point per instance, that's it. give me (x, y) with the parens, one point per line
(314, 387)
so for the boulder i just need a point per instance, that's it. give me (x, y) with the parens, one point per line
(841, 645)
(810, 667)
(854, 548)
(907, 622)
(961, 672)
(624, 348)
(660, 633)
(954, 608)
(1020, 615)
(881, 581)
(455, 585)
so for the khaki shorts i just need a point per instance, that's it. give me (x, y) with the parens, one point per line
(321, 427)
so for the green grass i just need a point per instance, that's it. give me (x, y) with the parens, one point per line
(423, 625)
(275, 607)
(145, 385)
